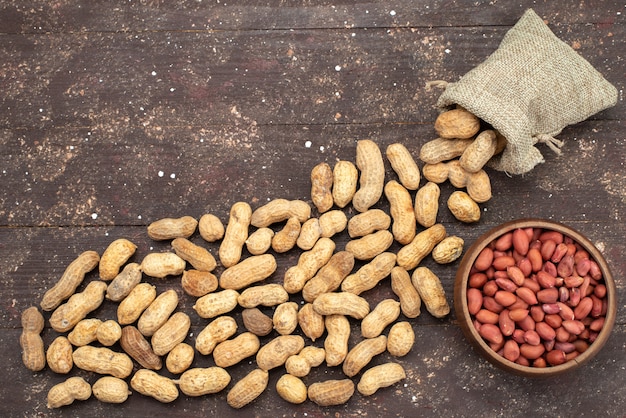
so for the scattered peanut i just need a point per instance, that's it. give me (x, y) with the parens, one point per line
(200, 258)
(285, 319)
(336, 342)
(236, 234)
(400, 339)
(33, 355)
(276, 352)
(291, 388)
(285, 239)
(216, 304)
(370, 161)
(133, 305)
(231, 352)
(362, 353)
(332, 222)
(248, 388)
(330, 276)
(210, 227)
(401, 209)
(108, 333)
(321, 186)
(345, 178)
(431, 291)
(65, 393)
(203, 381)
(151, 384)
(341, 303)
(310, 232)
(103, 361)
(404, 165)
(463, 207)
(311, 323)
(300, 364)
(413, 253)
(479, 151)
(370, 274)
(72, 277)
(264, 295)
(78, 306)
(442, 149)
(427, 204)
(410, 301)
(260, 241)
(217, 331)
(369, 246)
(59, 355)
(170, 334)
(170, 228)
(331, 392)
(124, 282)
(114, 257)
(198, 283)
(386, 312)
(257, 322)
(179, 358)
(380, 376)
(250, 270)
(368, 222)
(457, 123)
(135, 345)
(448, 250)
(111, 389)
(85, 332)
(309, 263)
(161, 265)
(279, 210)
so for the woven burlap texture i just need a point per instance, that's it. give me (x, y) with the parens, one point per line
(529, 89)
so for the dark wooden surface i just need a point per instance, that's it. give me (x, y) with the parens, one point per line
(115, 114)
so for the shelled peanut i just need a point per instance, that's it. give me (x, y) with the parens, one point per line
(537, 298)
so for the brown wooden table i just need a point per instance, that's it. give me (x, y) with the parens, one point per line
(116, 114)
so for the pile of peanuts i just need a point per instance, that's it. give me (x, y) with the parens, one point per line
(150, 330)
(536, 297)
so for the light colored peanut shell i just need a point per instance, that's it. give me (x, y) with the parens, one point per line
(111, 389)
(368, 222)
(401, 209)
(133, 305)
(457, 123)
(380, 376)
(369, 246)
(59, 355)
(210, 227)
(276, 352)
(199, 257)
(369, 160)
(271, 294)
(448, 250)
(203, 381)
(216, 304)
(345, 179)
(231, 352)
(103, 361)
(336, 342)
(170, 334)
(251, 270)
(463, 207)
(321, 187)
(217, 331)
(65, 393)
(370, 274)
(410, 301)
(413, 253)
(114, 257)
(362, 353)
(179, 358)
(404, 165)
(386, 312)
(72, 277)
(260, 241)
(427, 204)
(331, 392)
(400, 339)
(170, 228)
(161, 265)
(198, 283)
(151, 384)
(431, 291)
(124, 282)
(279, 210)
(236, 234)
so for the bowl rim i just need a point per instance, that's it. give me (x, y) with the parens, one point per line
(464, 317)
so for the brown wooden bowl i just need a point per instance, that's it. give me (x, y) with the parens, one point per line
(466, 320)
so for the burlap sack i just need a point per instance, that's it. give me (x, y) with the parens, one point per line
(529, 89)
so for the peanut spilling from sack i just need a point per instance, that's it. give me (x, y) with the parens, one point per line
(240, 280)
